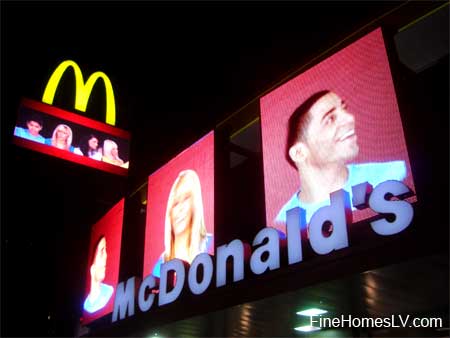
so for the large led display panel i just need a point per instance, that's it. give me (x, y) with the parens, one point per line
(56, 132)
(180, 207)
(333, 127)
(102, 272)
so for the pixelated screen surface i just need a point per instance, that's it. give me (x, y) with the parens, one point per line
(356, 120)
(102, 272)
(180, 207)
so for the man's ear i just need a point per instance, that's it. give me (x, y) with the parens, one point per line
(298, 152)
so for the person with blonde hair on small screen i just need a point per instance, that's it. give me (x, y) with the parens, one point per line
(100, 293)
(185, 234)
(61, 138)
(111, 154)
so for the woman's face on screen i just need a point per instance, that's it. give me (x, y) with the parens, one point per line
(181, 212)
(114, 151)
(93, 143)
(100, 261)
(62, 134)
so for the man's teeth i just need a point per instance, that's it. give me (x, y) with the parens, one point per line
(347, 134)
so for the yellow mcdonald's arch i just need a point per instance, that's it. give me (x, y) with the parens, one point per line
(82, 90)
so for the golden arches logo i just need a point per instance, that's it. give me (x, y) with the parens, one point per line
(82, 90)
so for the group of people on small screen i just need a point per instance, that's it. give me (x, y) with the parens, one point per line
(62, 139)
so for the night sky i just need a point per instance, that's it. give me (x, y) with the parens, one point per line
(177, 68)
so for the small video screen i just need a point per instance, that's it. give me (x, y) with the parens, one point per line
(73, 137)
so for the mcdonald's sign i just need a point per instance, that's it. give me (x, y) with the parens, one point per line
(48, 129)
(82, 90)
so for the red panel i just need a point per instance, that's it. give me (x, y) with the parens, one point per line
(359, 74)
(69, 156)
(198, 157)
(110, 226)
(76, 118)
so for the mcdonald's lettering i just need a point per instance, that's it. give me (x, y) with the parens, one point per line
(265, 244)
(82, 90)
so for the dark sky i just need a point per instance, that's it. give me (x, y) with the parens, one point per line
(179, 66)
(178, 69)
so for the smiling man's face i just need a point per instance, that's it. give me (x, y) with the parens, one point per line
(330, 135)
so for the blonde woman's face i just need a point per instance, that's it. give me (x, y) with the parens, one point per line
(62, 134)
(182, 207)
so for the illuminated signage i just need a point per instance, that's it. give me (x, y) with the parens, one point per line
(320, 130)
(180, 207)
(54, 131)
(332, 127)
(102, 272)
(385, 198)
(82, 90)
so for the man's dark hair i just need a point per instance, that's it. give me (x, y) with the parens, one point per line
(36, 118)
(298, 121)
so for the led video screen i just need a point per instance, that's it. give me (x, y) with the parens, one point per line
(333, 127)
(102, 272)
(180, 207)
(56, 132)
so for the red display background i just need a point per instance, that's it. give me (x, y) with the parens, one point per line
(198, 157)
(361, 76)
(110, 225)
(75, 118)
(80, 120)
(67, 155)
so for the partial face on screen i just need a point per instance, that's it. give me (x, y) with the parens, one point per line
(330, 134)
(105, 245)
(98, 268)
(114, 151)
(181, 213)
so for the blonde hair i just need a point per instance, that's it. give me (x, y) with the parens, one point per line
(108, 145)
(68, 141)
(197, 226)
